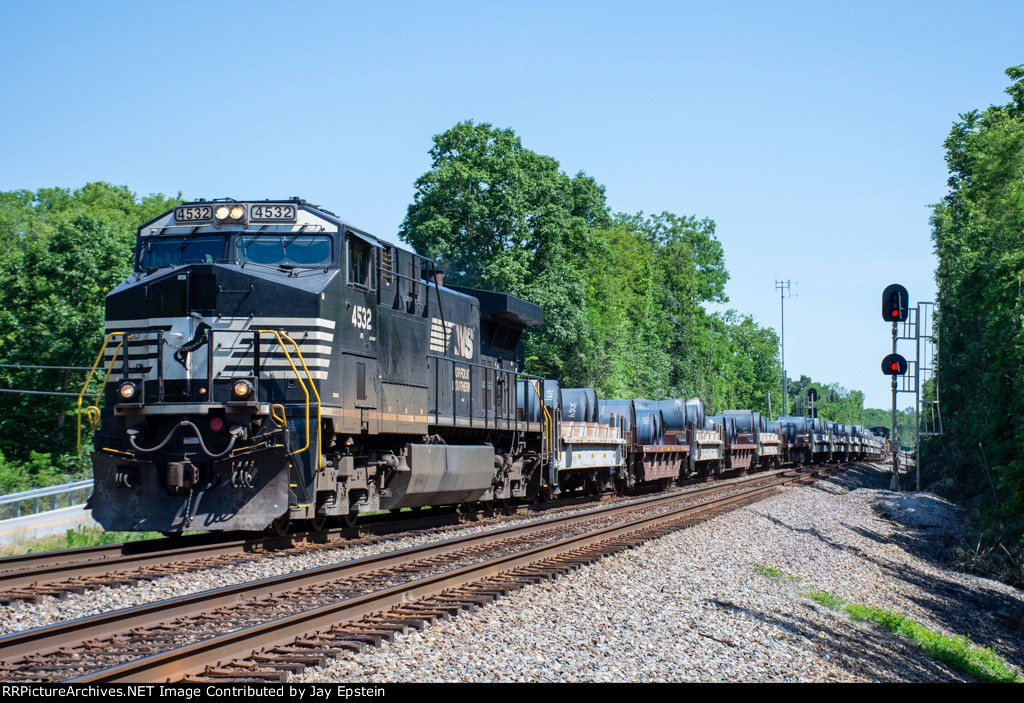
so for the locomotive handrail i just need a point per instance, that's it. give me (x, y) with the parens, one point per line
(549, 425)
(88, 379)
(302, 384)
(316, 393)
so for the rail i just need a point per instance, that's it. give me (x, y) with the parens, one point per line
(274, 611)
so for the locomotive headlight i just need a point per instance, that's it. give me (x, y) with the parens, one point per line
(222, 212)
(241, 389)
(237, 212)
(127, 390)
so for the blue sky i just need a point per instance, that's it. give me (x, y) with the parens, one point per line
(811, 133)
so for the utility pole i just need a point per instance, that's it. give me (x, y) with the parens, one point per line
(784, 292)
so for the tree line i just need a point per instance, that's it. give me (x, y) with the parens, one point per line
(624, 295)
(978, 230)
(61, 251)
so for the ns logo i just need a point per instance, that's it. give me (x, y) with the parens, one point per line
(459, 338)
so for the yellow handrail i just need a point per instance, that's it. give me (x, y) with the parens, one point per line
(280, 340)
(312, 385)
(93, 412)
(78, 412)
(549, 425)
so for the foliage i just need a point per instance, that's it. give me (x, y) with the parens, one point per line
(838, 404)
(61, 251)
(830, 601)
(977, 232)
(623, 296)
(497, 216)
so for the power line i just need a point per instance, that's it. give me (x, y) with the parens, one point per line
(15, 390)
(62, 368)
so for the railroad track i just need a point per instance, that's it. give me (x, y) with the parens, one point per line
(30, 577)
(262, 630)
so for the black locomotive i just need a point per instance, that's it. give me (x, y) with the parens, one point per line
(268, 363)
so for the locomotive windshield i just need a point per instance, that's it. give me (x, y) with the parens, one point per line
(159, 252)
(269, 249)
(285, 249)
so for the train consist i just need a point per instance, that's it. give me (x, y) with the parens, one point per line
(268, 364)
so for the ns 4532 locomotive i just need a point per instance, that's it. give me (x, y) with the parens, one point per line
(268, 363)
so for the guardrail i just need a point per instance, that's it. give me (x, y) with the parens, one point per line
(11, 504)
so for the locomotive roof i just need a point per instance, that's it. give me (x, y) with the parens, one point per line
(282, 215)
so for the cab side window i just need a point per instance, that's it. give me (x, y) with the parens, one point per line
(361, 260)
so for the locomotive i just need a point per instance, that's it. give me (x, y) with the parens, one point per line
(267, 363)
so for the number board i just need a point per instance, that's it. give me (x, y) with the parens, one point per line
(272, 212)
(193, 213)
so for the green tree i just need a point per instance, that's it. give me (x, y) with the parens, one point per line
(495, 215)
(977, 232)
(61, 251)
(623, 297)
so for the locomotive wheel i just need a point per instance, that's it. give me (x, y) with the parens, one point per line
(349, 519)
(279, 527)
(317, 523)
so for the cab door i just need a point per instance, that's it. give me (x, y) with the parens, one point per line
(359, 336)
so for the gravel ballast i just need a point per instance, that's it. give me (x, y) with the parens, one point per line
(696, 605)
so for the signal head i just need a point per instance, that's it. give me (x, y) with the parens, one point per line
(895, 303)
(894, 365)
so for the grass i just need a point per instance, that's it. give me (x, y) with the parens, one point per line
(980, 663)
(84, 537)
(825, 598)
(774, 574)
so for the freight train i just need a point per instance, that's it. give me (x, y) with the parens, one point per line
(268, 364)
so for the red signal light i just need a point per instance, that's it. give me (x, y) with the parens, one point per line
(895, 303)
(894, 365)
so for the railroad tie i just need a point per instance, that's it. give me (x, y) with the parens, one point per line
(238, 673)
(372, 639)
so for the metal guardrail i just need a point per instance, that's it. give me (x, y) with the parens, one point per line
(54, 493)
